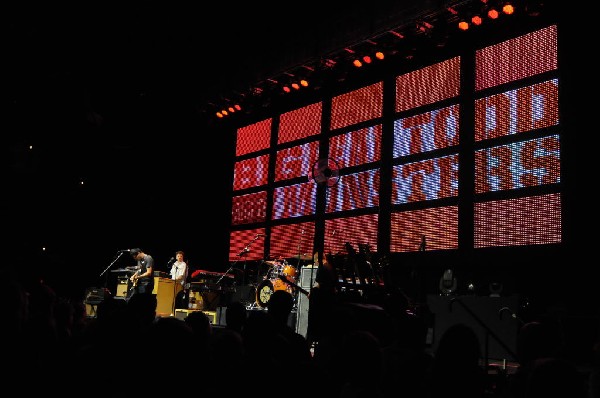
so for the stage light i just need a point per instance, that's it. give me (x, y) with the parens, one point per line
(357, 63)
(367, 59)
(295, 86)
(476, 20)
(286, 89)
(463, 25)
(508, 9)
(379, 55)
(304, 83)
(492, 13)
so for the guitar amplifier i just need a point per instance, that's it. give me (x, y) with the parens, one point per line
(95, 295)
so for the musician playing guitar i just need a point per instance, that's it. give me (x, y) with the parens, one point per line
(142, 281)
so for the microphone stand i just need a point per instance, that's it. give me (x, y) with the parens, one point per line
(111, 264)
(243, 252)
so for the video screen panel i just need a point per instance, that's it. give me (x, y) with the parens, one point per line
(517, 58)
(293, 240)
(532, 220)
(250, 208)
(253, 172)
(354, 191)
(428, 179)
(357, 106)
(516, 111)
(296, 161)
(253, 138)
(356, 147)
(251, 239)
(424, 229)
(354, 230)
(428, 85)
(294, 200)
(300, 123)
(521, 164)
(426, 132)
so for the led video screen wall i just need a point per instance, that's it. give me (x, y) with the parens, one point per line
(468, 156)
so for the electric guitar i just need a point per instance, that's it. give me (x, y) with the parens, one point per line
(134, 282)
(286, 280)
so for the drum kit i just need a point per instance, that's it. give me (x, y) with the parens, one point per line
(275, 279)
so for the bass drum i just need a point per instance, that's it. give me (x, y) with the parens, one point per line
(263, 293)
(266, 289)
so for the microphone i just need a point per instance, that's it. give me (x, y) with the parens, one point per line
(125, 251)
(258, 235)
(171, 260)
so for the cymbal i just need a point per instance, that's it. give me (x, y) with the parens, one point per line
(303, 257)
(272, 263)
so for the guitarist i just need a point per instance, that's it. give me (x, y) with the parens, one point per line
(142, 281)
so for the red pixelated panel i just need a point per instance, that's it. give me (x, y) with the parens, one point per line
(355, 230)
(517, 58)
(294, 200)
(300, 123)
(532, 220)
(253, 239)
(428, 85)
(516, 111)
(437, 227)
(251, 172)
(357, 106)
(251, 208)
(356, 147)
(254, 137)
(354, 191)
(289, 241)
(296, 161)
(518, 165)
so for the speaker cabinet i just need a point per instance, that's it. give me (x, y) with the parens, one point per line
(307, 275)
(121, 290)
(165, 291)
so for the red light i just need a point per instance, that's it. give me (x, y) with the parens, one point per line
(476, 20)
(508, 9)
(463, 25)
(367, 59)
(493, 14)
(295, 86)
(286, 89)
(357, 63)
